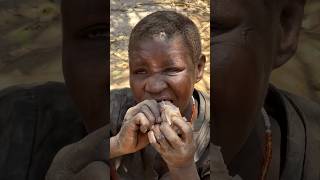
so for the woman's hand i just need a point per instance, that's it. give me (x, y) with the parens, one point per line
(178, 152)
(173, 139)
(133, 133)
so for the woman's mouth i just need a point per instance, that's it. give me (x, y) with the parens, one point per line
(164, 99)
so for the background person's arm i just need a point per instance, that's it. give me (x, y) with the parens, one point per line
(82, 160)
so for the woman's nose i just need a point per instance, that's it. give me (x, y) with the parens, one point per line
(155, 84)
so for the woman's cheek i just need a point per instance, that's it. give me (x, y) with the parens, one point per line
(137, 89)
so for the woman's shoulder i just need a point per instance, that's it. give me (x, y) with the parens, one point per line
(120, 92)
(202, 94)
(303, 134)
(309, 113)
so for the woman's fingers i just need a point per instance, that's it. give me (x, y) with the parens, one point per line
(144, 114)
(148, 113)
(149, 107)
(170, 134)
(131, 112)
(161, 139)
(153, 107)
(185, 128)
(142, 121)
(153, 141)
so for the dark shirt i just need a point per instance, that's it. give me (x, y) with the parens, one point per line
(299, 120)
(37, 121)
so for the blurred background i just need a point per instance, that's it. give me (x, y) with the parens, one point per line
(301, 75)
(30, 42)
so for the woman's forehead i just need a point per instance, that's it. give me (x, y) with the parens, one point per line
(174, 47)
(172, 44)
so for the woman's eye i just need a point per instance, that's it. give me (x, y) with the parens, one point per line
(173, 70)
(140, 71)
(95, 32)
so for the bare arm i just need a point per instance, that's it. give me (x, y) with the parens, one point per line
(114, 148)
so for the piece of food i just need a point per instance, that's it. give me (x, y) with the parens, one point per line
(169, 111)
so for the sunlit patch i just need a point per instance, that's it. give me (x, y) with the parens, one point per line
(162, 36)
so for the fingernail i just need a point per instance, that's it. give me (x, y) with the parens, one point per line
(144, 129)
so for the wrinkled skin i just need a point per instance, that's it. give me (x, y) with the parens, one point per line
(137, 121)
(177, 151)
(164, 71)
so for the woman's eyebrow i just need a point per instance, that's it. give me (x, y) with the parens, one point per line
(138, 61)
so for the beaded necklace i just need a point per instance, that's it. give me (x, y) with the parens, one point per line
(268, 146)
(193, 114)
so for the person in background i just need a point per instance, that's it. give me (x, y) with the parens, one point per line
(36, 121)
(263, 132)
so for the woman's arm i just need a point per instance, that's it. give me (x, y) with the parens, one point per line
(114, 148)
(184, 173)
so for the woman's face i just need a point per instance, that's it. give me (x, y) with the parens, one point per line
(85, 61)
(163, 70)
(243, 47)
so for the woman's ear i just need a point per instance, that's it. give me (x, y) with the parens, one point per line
(200, 67)
(291, 14)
